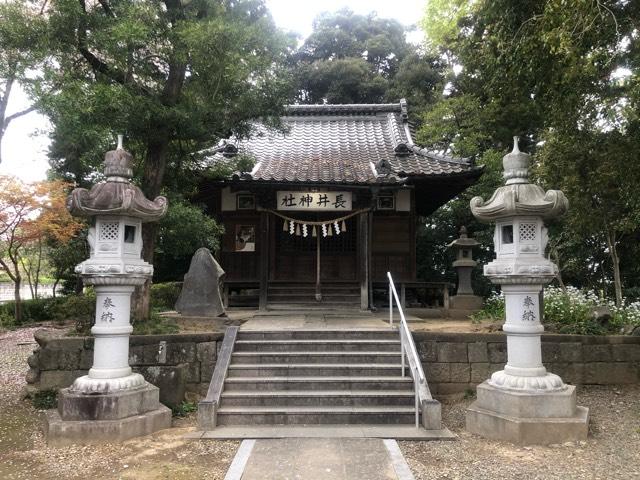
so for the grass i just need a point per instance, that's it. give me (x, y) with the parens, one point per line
(45, 399)
(184, 409)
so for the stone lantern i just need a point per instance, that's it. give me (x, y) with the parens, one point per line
(111, 402)
(523, 403)
(464, 298)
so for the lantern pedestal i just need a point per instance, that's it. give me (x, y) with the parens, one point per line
(527, 417)
(111, 403)
(523, 403)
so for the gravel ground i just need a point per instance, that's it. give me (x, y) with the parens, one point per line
(24, 454)
(612, 450)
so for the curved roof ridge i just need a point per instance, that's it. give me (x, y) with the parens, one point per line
(326, 109)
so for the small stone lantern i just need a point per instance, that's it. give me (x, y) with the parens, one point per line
(111, 402)
(464, 298)
(523, 403)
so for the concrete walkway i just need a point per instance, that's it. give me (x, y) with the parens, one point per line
(319, 459)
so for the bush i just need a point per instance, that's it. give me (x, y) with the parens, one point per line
(32, 310)
(71, 307)
(571, 311)
(80, 308)
(493, 309)
(165, 295)
(184, 409)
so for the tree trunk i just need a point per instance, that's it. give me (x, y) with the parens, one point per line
(615, 260)
(4, 101)
(16, 296)
(152, 184)
(55, 285)
(556, 259)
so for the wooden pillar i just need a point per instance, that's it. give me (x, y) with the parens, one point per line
(363, 259)
(264, 259)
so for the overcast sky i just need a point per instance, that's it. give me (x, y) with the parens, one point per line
(25, 143)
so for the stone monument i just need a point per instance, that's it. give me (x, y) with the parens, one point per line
(523, 403)
(111, 403)
(200, 294)
(464, 299)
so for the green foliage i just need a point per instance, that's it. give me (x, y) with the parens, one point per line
(182, 231)
(37, 310)
(7, 320)
(493, 309)
(63, 258)
(351, 58)
(45, 399)
(165, 295)
(552, 72)
(571, 311)
(469, 393)
(79, 308)
(155, 325)
(184, 409)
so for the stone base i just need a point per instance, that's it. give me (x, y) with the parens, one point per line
(60, 432)
(113, 406)
(527, 418)
(108, 417)
(466, 302)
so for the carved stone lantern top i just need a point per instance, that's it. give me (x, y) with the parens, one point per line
(116, 195)
(464, 241)
(518, 197)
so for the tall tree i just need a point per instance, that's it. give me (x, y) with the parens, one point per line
(352, 58)
(29, 214)
(549, 70)
(173, 76)
(21, 33)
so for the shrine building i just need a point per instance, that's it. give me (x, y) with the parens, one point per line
(329, 207)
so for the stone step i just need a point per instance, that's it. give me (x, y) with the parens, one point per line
(317, 345)
(319, 335)
(290, 415)
(399, 432)
(304, 288)
(312, 369)
(311, 294)
(305, 298)
(291, 357)
(324, 383)
(314, 306)
(355, 398)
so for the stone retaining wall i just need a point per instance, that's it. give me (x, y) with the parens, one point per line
(183, 363)
(453, 362)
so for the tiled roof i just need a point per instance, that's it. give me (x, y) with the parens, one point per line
(355, 144)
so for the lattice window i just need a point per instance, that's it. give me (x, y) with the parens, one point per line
(527, 232)
(109, 231)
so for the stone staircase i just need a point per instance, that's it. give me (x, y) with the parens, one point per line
(302, 296)
(312, 377)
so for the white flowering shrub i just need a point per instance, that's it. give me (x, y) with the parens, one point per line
(493, 309)
(571, 311)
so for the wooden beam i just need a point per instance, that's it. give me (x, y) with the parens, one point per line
(264, 260)
(363, 259)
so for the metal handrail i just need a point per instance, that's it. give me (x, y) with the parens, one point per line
(407, 346)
